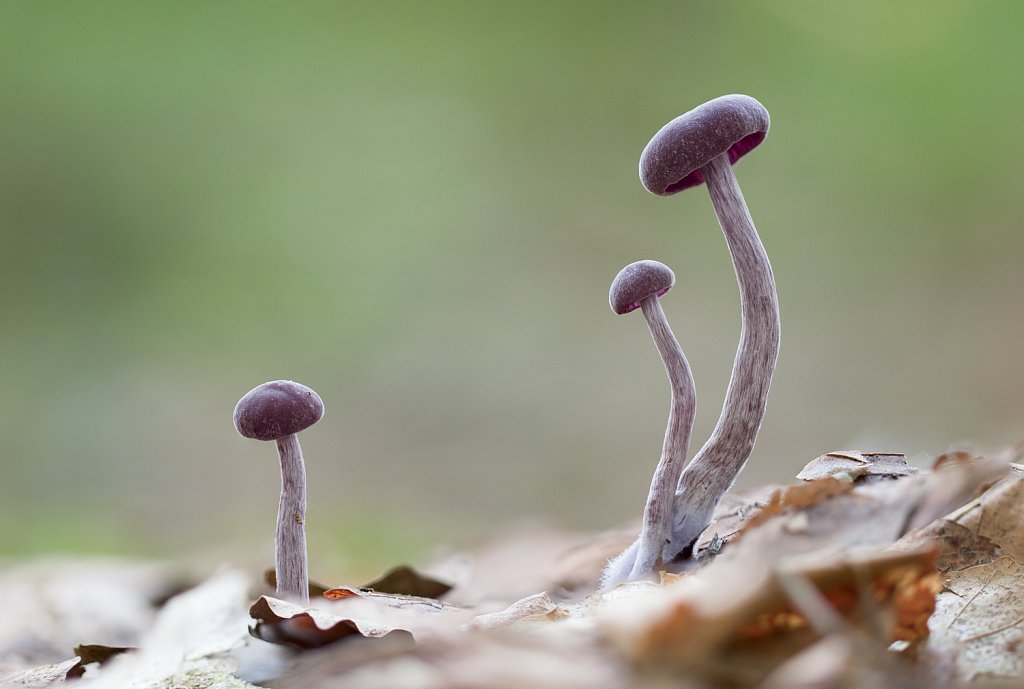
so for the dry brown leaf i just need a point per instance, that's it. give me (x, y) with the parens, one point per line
(94, 653)
(405, 580)
(980, 531)
(978, 626)
(799, 496)
(998, 516)
(289, 624)
(849, 465)
(697, 626)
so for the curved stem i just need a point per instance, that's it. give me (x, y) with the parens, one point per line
(646, 555)
(717, 464)
(290, 548)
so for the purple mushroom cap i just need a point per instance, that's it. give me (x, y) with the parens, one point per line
(636, 282)
(671, 161)
(277, 409)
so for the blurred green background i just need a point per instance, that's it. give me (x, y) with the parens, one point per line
(416, 208)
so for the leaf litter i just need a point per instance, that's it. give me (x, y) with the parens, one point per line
(865, 573)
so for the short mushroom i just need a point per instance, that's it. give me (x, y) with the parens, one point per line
(701, 146)
(639, 285)
(278, 410)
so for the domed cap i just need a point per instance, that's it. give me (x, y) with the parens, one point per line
(671, 161)
(277, 409)
(636, 282)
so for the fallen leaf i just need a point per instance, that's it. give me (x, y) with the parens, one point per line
(289, 624)
(799, 496)
(978, 626)
(407, 581)
(696, 625)
(49, 606)
(44, 676)
(190, 637)
(537, 606)
(851, 466)
(93, 653)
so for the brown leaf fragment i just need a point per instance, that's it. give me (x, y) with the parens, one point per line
(957, 546)
(797, 497)
(853, 466)
(708, 624)
(998, 516)
(407, 581)
(93, 653)
(415, 604)
(281, 622)
(537, 607)
(979, 621)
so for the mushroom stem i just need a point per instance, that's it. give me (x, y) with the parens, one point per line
(658, 512)
(290, 552)
(717, 464)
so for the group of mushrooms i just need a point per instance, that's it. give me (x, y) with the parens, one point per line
(700, 146)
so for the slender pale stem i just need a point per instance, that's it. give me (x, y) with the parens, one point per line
(657, 525)
(290, 552)
(647, 554)
(717, 464)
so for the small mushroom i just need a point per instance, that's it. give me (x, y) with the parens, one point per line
(278, 410)
(639, 285)
(701, 146)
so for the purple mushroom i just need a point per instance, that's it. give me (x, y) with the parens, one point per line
(639, 285)
(701, 146)
(277, 411)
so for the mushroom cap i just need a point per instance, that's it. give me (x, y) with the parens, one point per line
(636, 282)
(671, 161)
(277, 409)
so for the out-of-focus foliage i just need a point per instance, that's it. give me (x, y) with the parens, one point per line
(416, 209)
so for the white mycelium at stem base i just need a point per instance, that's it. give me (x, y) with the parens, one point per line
(640, 284)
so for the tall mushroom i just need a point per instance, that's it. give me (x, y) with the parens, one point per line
(277, 411)
(701, 146)
(639, 285)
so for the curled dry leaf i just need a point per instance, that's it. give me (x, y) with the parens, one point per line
(345, 612)
(281, 622)
(849, 465)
